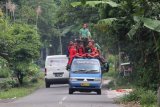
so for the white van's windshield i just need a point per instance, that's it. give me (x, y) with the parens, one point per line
(85, 66)
(55, 62)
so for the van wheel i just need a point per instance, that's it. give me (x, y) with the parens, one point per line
(99, 92)
(47, 84)
(70, 91)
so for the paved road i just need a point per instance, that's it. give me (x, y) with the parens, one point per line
(57, 96)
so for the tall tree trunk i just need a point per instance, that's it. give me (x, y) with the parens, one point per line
(20, 77)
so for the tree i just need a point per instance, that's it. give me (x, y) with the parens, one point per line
(26, 49)
(20, 45)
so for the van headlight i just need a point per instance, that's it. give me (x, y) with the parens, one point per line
(97, 79)
(73, 79)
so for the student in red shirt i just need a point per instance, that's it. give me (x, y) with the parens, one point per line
(80, 50)
(91, 50)
(69, 46)
(72, 53)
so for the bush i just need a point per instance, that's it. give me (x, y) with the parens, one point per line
(142, 96)
(4, 69)
(4, 72)
(33, 74)
(26, 71)
(7, 83)
(37, 77)
(148, 98)
(133, 96)
(34, 80)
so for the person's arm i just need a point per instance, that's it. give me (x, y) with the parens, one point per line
(89, 35)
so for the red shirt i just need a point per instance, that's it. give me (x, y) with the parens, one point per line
(94, 52)
(72, 51)
(81, 51)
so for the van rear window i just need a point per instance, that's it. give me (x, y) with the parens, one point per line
(56, 62)
(86, 62)
(85, 65)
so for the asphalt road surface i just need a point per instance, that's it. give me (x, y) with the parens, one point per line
(57, 96)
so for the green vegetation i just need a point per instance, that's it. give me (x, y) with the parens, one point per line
(130, 35)
(133, 31)
(147, 98)
(21, 91)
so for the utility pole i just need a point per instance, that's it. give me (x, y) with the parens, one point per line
(60, 41)
(38, 12)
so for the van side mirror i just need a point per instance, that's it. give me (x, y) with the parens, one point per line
(105, 67)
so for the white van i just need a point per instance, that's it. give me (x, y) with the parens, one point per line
(55, 70)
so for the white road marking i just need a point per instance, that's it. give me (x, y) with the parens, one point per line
(60, 102)
(64, 98)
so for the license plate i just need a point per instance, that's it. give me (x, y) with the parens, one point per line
(85, 84)
(58, 75)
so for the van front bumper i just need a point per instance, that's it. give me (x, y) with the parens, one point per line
(90, 85)
(57, 80)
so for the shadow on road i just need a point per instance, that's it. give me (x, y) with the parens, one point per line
(59, 86)
(85, 93)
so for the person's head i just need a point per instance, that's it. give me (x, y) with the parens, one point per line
(92, 41)
(85, 25)
(75, 44)
(90, 44)
(81, 45)
(71, 43)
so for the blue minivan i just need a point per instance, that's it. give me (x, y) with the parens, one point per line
(85, 76)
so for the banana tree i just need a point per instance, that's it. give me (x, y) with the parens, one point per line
(94, 3)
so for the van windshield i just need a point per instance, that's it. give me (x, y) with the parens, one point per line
(85, 66)
(56, 62)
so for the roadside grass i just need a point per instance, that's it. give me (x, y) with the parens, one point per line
(117, 81)
(21, 91)
(140, 96)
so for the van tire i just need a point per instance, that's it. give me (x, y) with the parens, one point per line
(70, 91)
(99, 92)
(47, 84)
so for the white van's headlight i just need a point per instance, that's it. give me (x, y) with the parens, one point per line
(73, 79)
(97, 79)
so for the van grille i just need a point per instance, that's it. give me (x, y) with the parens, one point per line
(90, 79)
(80, 79)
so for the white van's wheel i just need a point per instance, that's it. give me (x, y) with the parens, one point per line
(99, 92)
(70, 91)
(47, 84)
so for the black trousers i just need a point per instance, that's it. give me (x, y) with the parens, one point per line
(85, 42)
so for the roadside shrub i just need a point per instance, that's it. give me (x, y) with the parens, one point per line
(34, 80)
(148, 98)
(33, 70)
(4, 69)
(4, 72)
(33, 74)
(26, 71)
(37, 77)
(133, 96)
(26, 81)
(145, 98)
(7, 83)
